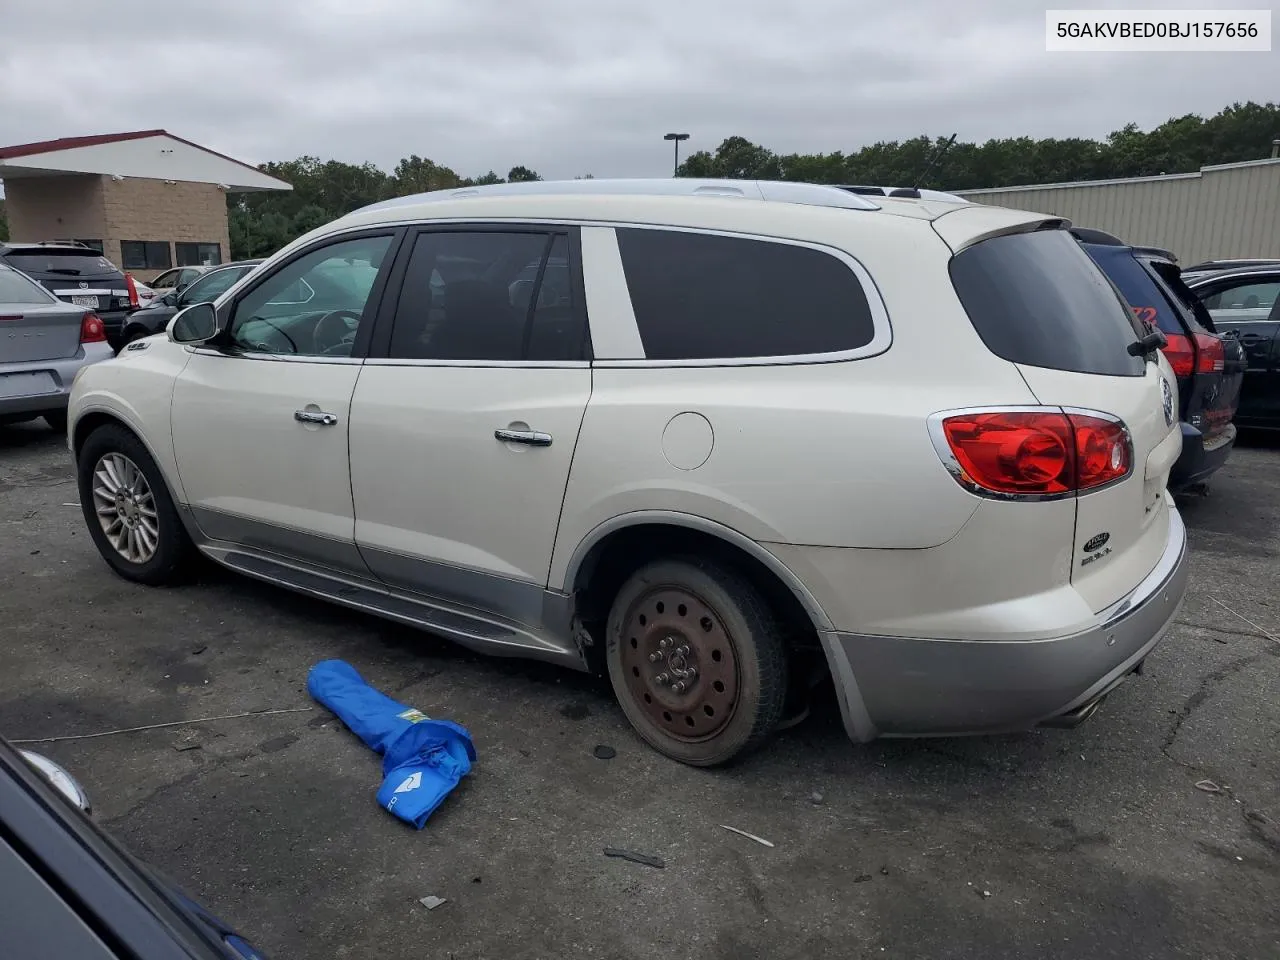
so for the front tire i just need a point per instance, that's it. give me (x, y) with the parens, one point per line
(696, 660)
(127, 507)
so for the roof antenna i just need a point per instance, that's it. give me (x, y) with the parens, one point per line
(938, 155)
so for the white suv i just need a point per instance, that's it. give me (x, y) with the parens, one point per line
(700, 434)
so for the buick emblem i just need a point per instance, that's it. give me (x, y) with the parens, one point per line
(1166, 392)
(83, 285)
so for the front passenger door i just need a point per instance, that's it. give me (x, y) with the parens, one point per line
(260, 422)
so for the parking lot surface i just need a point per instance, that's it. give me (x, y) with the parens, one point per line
(1094, 842)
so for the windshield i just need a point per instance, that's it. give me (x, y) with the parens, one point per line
(15, 288)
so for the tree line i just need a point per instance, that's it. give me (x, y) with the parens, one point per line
(261, 223)
(324, 190)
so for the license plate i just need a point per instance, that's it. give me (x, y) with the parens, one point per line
(26, 384)
(85, 302)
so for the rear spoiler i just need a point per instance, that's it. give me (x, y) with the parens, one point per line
(963, 227)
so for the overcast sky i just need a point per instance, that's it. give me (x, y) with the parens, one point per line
(576, 86)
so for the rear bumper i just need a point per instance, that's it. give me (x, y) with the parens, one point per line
(62, 373)
(897, 686)
(1200, 457)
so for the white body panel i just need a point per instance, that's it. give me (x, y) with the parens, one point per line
(241, 453)
(432, 483)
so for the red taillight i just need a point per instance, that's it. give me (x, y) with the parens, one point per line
(1036, 453)
(133, 291)
(1186, 356)
(1181, 354)
(1210, 357)
(91, 329)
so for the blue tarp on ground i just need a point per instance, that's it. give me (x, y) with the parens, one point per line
(422, 759)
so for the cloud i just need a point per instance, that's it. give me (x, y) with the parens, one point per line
(573, 86)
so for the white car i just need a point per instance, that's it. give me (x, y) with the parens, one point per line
(697, 434)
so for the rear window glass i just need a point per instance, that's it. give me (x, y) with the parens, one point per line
(71, 263)
(1137, 286)
(701, 296)
(15, 288)
(1037, 299)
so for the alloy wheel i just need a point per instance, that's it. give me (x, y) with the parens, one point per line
(126, 508)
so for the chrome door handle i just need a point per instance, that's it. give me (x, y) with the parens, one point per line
(532, 437)
(315, 416)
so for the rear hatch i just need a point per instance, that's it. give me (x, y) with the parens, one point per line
(74, 274)
(1039, 301)
(33, 325)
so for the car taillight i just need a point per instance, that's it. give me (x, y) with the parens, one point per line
(133, 291)
(1181, 354)
(1033, 453)
(91, 329)
(1210, 357)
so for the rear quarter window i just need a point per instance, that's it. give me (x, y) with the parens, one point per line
(1038, 299)
(700, 296)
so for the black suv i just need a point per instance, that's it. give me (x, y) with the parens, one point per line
(1209, 367)
(77, 274)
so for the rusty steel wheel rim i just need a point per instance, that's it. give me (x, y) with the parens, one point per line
(680, 663)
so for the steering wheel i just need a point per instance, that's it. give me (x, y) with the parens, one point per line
(336, 332)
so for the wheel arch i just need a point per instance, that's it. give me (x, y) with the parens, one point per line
(682, 531)
(90, 420)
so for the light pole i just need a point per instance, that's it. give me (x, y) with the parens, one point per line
(676, 137)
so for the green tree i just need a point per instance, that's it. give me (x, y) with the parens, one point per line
(521, 175)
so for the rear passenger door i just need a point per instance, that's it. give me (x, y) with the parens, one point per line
(466, 416)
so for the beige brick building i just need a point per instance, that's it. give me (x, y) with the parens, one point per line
(147, 200)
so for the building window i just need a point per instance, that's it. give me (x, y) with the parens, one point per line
(198, 254)
(145, 254)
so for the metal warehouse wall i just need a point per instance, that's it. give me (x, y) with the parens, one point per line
(1225, 211)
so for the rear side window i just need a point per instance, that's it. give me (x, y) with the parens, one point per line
(700, 296)
(61, 263)
(1037, 299)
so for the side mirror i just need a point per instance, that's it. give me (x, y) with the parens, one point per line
(170, 299)
(196, 324)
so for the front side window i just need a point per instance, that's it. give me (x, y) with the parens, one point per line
(702, 296)
(166, 281)
(211, 286)
(303, 309)
(487, 296)
(1250, 300)
(145, 254)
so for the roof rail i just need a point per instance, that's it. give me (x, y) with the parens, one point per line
(780, 191)
(910, 193)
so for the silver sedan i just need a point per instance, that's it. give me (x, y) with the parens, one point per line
(44, 342)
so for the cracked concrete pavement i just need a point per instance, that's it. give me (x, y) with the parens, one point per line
(1091, 842)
